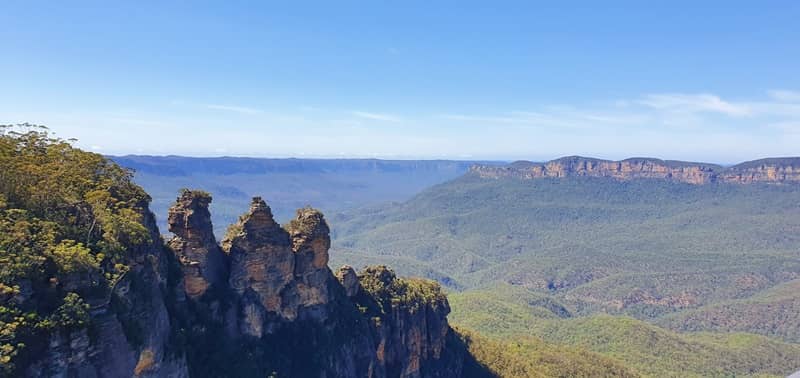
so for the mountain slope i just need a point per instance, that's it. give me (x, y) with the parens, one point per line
(89, 288)
(557, 234)
(514, 315)
(544, 255)
(773, 312)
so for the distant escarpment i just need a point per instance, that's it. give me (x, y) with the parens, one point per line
(772, 170)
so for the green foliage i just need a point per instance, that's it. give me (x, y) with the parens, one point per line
(198, 194)
(73, 313)
(72, 257)
(535, 256)
(556, 235)
(531, 357)
(388, 291)
(13, 326)
(651, 350)
(659, 352)
(774, 312)
(67, 220)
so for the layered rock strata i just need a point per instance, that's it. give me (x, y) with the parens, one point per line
(282, 302)
(202, 261)
(778, 170)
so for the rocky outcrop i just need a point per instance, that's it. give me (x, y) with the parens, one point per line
(763, 171)
(129, 328)
(262, 266)
(202, 261)
(349, 279)
(286, 306)
(409, 319)
(310, 242)
(264, 303)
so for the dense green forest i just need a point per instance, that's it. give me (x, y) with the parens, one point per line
(69, 222)
(649, 272)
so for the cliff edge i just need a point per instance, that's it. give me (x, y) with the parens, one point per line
(771, 171)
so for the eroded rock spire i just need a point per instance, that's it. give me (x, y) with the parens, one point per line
(203, 262)
(262, 265)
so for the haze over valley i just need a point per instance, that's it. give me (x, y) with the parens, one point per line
(399, 189)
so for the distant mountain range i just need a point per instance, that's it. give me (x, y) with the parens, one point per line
(672, 268)
(668, 249)
(286, 184)
(770, 170)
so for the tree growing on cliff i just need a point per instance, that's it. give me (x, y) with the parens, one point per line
(67, 219)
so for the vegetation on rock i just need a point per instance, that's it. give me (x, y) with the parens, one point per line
(68, 220)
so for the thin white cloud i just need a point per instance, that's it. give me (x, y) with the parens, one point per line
(137, 122)
(376, 116)
(690, 103)
(233, 108)
(784, 95)
(791, 127)
(688, 126)
(555, 118)
(479, 118)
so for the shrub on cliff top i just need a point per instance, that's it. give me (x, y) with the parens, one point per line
(65, 215)
(381, 283)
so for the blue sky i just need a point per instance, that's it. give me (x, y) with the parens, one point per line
(714, 81)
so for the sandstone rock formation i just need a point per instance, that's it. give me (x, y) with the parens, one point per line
(762, 171)
(310, 242)
(349, 279)
(262, 265)
(284, 303)
(409, 317)
(202, 260)
(263, 304)
(129, 329)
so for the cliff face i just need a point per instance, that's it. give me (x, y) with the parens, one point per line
(271, 304)
(409, 321)
(202, 261)
(762, 171)
(264, 303)
(129, 329)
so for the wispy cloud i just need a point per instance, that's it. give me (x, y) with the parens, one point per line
(689, 103)
(236, 109)
(784, 95)
(687, 111)
(137, 122)
(376, 116)
(566, 118)
(481, 118)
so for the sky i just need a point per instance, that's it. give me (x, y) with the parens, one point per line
(690, 80)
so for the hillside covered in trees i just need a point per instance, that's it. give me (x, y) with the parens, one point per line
(652, 271)
(89, 288)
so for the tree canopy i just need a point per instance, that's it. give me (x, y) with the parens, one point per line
(67, 220)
